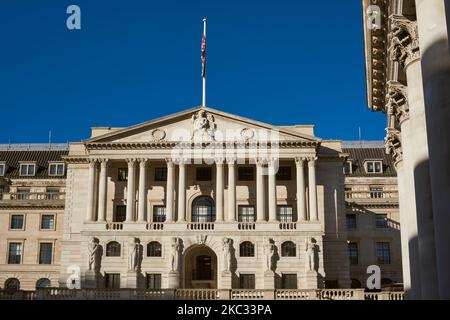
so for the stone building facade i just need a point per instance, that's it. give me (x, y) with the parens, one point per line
(198, 199)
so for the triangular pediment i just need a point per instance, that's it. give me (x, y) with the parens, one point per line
(201, 124)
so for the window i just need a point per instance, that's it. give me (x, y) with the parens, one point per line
(23, 193)
(160, 174)
(47, 222)
(2, 169)
(154, 249)
(246, 174)
(53, 193)
(246, 213)
(285, 214)
(383, 253)
(159, 214)
(246, 249)
(288, 249)
(27, 169)
(203, 210)
(122, 174)
(204, 174)
(43, 283)
(112, 280)
(12, 284)
(289, 281)
(17, 222)
(284, 174)
(120, 214)
(15, 253)
(381, 221)
(247, 281)
(113, 249)
(348, 167)
(353, 252)
(374, 167)
(153, 281)
(45, 253)
(351, 221)
(56, 169)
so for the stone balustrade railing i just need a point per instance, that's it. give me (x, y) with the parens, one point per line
(200, 226)
(198, 294)
(155, 226)
(371, 195)
(114, 226)
(25, 196)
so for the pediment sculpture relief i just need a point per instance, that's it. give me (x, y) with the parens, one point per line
(203, 126)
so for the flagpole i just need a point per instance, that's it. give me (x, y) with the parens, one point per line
(204, 73)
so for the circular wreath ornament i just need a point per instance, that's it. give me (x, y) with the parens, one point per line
(158, 135)
(247, 134)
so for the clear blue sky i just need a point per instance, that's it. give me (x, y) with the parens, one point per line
(283, 62)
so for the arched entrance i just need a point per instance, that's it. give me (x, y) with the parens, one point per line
(200, 268)
(203, 209)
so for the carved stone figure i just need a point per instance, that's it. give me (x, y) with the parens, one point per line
(203, 126)
(175, 254)
(311, 250)
(135, 255)
(94, 255)
(226, 250)
(269, 251)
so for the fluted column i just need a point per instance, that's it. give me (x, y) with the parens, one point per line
(91, 190)
(312, 189)
(131, 192)
(170, 190)
(301, 192)
(260, 197)
(231, 190)
(272, 192)
(102, 190)
(219, 190)
(182, 192)
(142, 189)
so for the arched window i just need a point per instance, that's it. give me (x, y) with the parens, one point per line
(12, 284)
(154, 249)
(288, 249)
(113, 249)
(43, 283)
(203, 209)
(356, 284)
(247, 249)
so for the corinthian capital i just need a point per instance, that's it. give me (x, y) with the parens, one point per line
(394, 145)
(397, 109)
(403, 40)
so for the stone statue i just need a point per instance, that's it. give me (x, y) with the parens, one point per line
(269, 251)
(135, 255)
(226, 250)
(311, 249)
(175, 254)
(203, 126)
(94, 255)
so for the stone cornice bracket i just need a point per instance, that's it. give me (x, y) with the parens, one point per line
(397, 108)
(403, 41)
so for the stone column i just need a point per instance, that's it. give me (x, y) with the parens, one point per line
(219, 190)
(434, 29)
(102, 192)
(313, 216)
(131, 192)
(301, 192)
(272, 192)
(260, 196)
(91, 190)
(170, 190)
(231, 190)
(142, 189)
(182, 192)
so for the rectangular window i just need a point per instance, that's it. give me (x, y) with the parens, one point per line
(351, 221)
(45, 253)
(2, 169)
(353, 253)
(381, 221)
(120, 214)
(23, 193)
(53, 193)
(383, 253)
(247, 281)
(122, 174)
(374, 167)
(284, 174)
(246, 174)
(348, 167)
(56, 169)
(160, 174)
(17, 222)
(112, 280)
(289, 281)
(246, 213)
(285, 214)
(204, 174)
(27, 169)
(153, 281)
(15, 253)
(48, 222)
(159, 214)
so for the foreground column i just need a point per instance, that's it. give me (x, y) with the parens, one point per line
(301, 192)
(312, 189)
(231, 216)
(182, 192)
(91, 190)
(102, 192)
(219, 190)
(131, 192)
(170, 190)
(142, 189)
(272, 192)
(260, 201)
